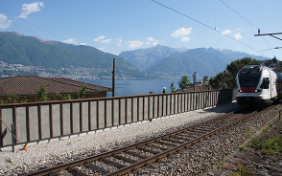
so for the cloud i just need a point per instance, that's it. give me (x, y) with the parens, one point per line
(70, 40)
(185, 39)
(106, 41)
(99, 38)
(82, 44)
(30, 8)
(237, 36)
(181, 32)
(155, 43)
(119, 40)
(151, 39)
(135, 44)
(4, 23)
(239, 29)
(226, 32)
(102, 48)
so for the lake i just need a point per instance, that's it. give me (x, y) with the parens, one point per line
(135, 87)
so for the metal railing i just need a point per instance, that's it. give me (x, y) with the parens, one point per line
(36, 121)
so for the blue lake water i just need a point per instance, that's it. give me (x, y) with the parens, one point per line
(135, 87)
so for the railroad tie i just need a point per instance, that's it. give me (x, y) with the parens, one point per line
(136, 154)
(77, 172)
(125, 159)
(112, 163)
(98, 169)
(148, 150)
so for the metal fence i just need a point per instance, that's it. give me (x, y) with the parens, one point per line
(38, 121)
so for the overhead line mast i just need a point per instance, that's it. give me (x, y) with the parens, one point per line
(270, 34)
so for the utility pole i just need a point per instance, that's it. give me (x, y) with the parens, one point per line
(114, 77)
(194, 80)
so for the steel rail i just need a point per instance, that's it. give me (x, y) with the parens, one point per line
(87, 160)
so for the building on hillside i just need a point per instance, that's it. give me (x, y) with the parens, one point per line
(205, 79)
(25, 87)
(199, 87)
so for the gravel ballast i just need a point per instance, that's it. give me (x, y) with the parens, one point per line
(60, 151)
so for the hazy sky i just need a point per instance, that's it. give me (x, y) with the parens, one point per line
(114, 26)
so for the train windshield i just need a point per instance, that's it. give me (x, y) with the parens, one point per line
(249, 77)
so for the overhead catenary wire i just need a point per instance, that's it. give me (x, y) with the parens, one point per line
(247, 21)
(33, 24)
(238, 14)
(176, 11)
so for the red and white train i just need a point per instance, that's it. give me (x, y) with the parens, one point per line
(258, 85)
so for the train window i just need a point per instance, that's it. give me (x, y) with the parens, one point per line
(249, 77)
(251, 70)
(265, 83)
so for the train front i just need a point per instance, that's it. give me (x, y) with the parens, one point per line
(253, 86)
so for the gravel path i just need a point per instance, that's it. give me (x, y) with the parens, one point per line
(60, 151)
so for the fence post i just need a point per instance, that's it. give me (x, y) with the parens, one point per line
(13, 139)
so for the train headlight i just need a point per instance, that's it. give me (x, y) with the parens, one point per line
(240, 91)
(257, 91)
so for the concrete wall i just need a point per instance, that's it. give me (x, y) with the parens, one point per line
(47, 120)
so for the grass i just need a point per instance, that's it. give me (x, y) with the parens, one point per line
(241, 170)
(218, 164)
(241, 149)
(69, 143)
(8, 160)
(247, 131)
(271, 146)
(266, 129)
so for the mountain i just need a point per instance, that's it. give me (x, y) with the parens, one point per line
(27, 50)
(205, 61)
(143, 58)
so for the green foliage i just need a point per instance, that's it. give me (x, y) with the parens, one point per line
(266, 129)
(42, 92)
(82, 91)
(13, 98)
(8, 160)
(3, 101)
(184, 82)
(218, 164)
(242, 169)
(241, 149)
(57, 96)
(66, 97)
(172, 88)
(24, 100)
(228, 76)
(270, 146)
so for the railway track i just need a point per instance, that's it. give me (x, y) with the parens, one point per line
(126, 159)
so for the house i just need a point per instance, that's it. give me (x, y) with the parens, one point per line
(199, 87)
(26, 87)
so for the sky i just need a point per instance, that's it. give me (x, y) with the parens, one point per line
(114, 26)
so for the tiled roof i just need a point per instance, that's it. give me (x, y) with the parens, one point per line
(28, 85)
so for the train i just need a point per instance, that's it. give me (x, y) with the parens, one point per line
(258, 85)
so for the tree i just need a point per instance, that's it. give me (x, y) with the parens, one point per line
(184, 82)
(172, 88)
(228, 76)
(82, 91)
(42, 92)
(274, 60)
